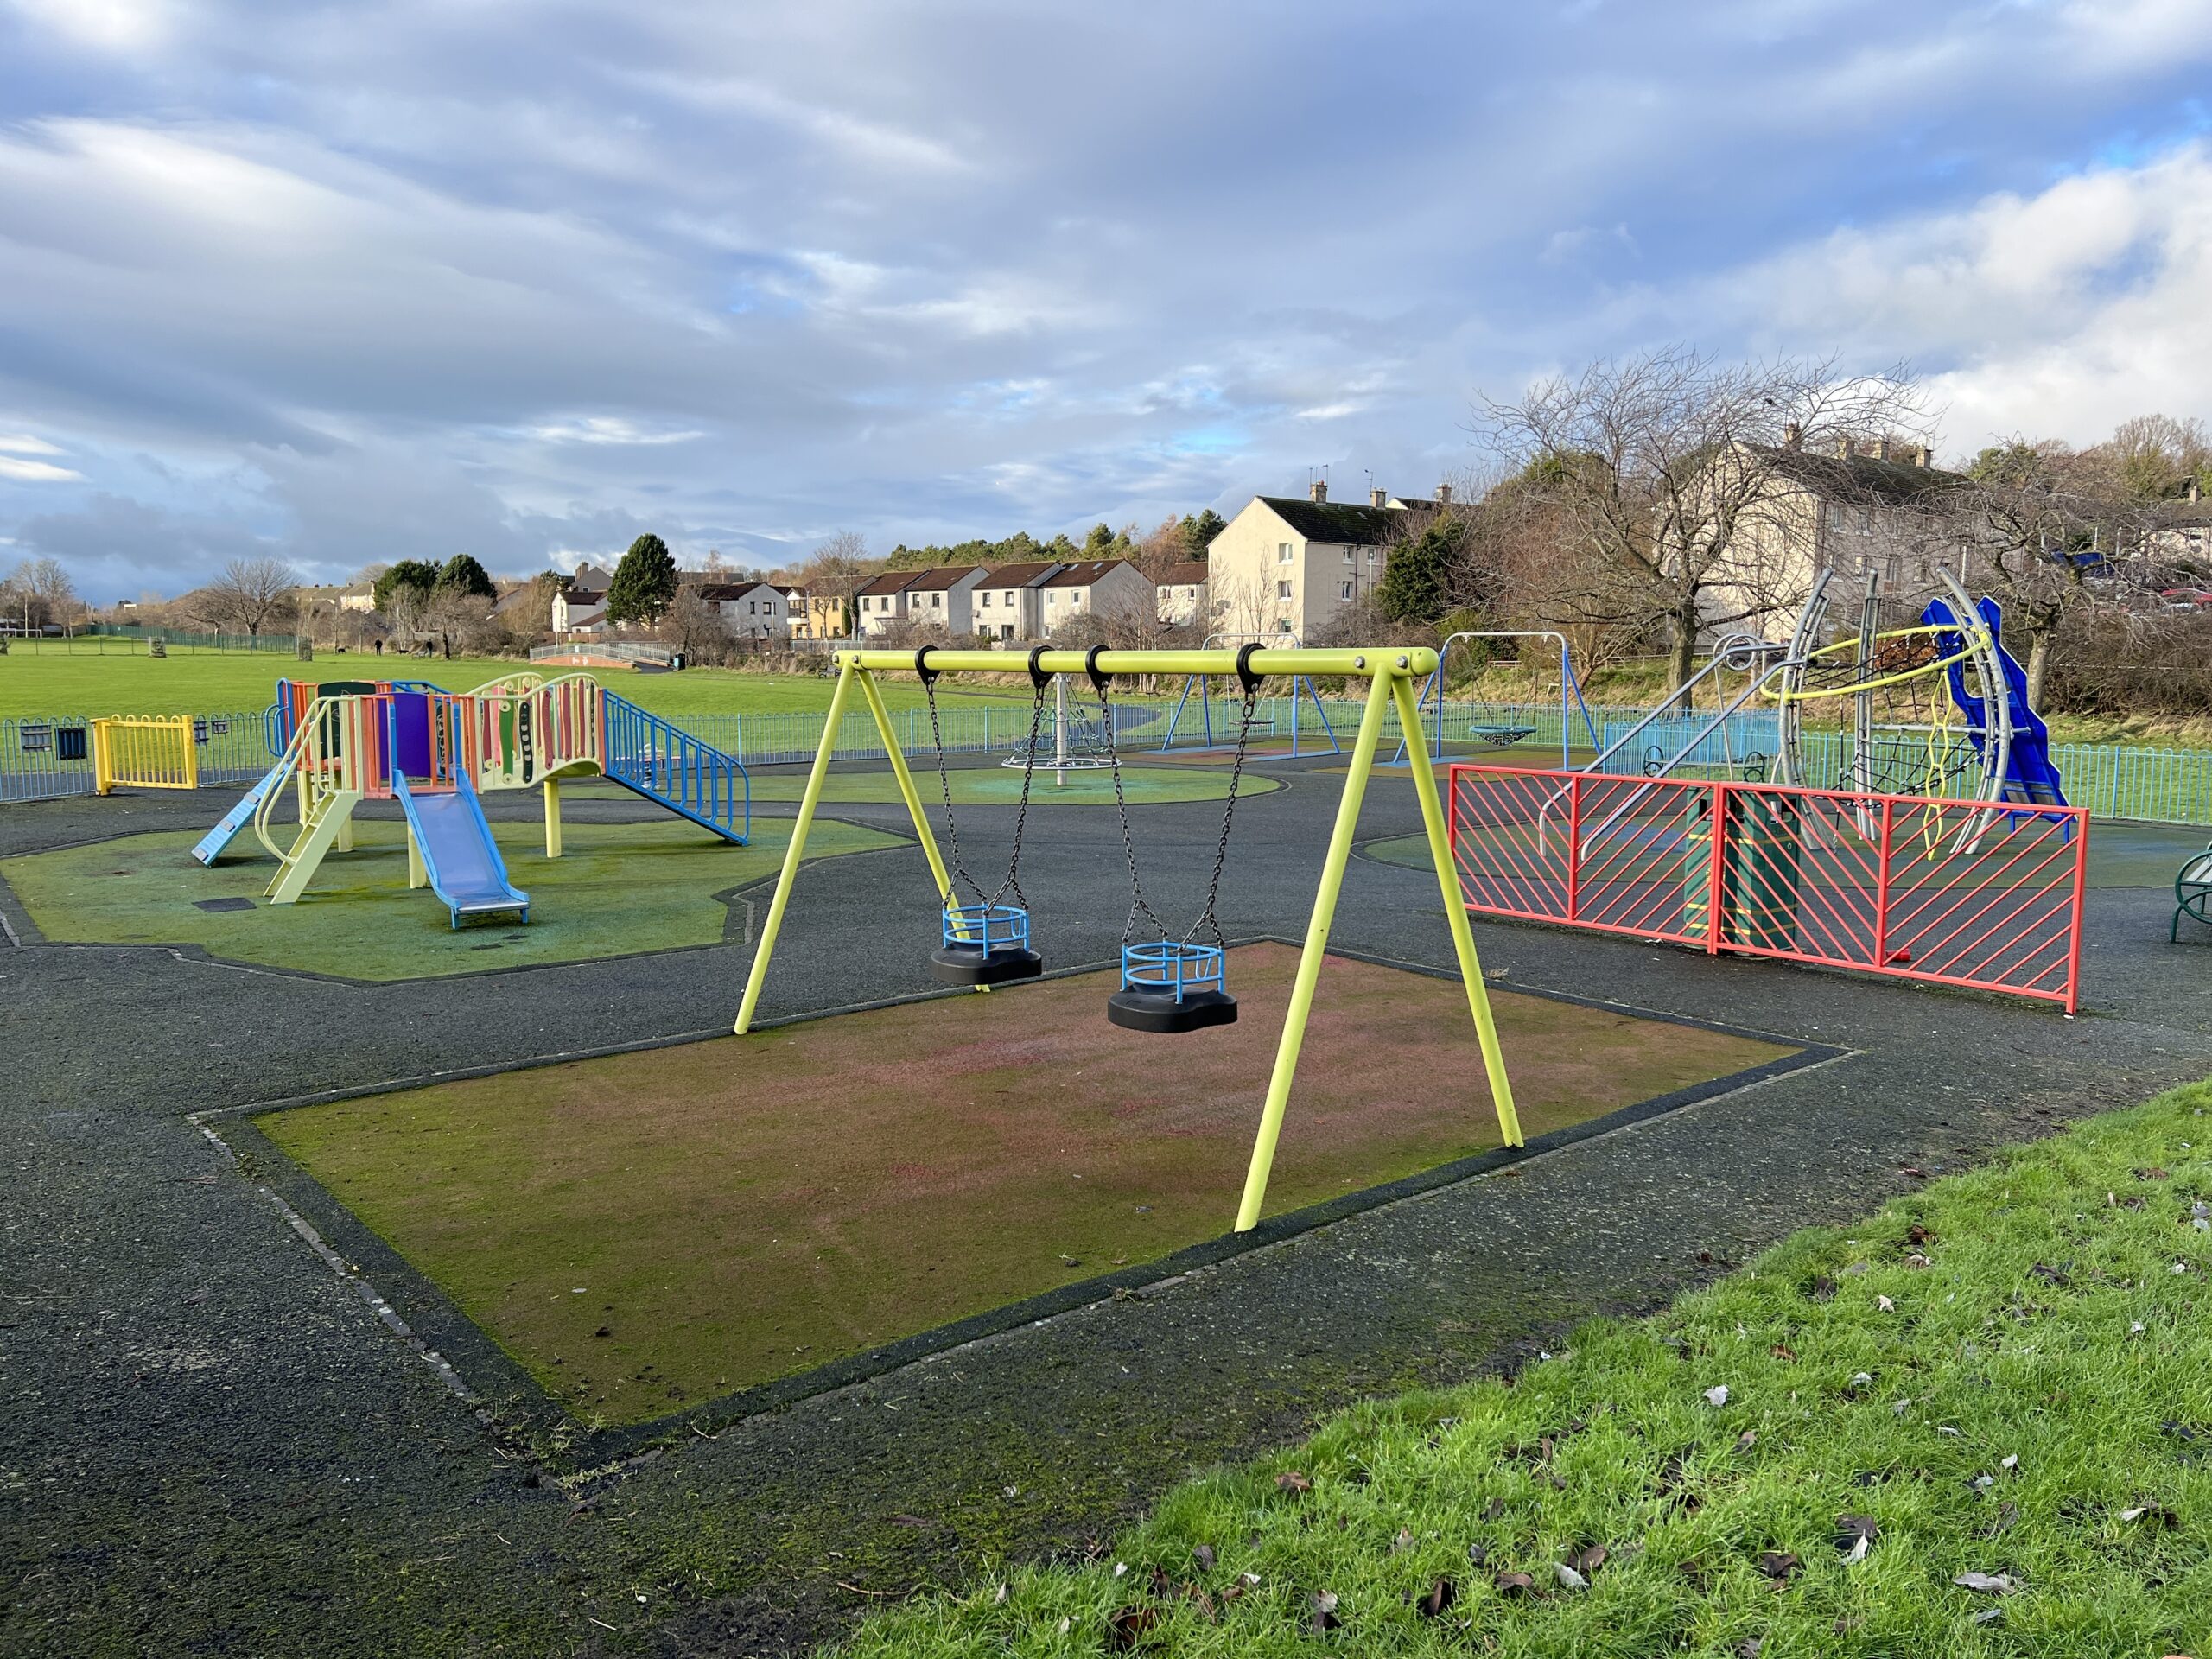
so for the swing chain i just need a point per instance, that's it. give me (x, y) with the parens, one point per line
(928, 677)
(1038, 681)
(1100, 684)
(1250, 683)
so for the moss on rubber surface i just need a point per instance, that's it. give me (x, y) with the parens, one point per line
(648, 1230)
(619, 889)
(1001, 785)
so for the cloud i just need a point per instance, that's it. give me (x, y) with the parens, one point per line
(36, 472)
(607, 428)
(23, 444)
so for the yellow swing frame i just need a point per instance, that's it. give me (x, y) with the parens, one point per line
(1392, 674)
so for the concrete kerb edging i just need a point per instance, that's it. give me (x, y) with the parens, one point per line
(478, 1353)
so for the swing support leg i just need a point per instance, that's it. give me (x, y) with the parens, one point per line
(851, 674)
(1317, 945)
(1455, 912)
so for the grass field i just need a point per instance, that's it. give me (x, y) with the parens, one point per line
(619, 889)
(33, 682)
(650, 1231)
(1979, 1423)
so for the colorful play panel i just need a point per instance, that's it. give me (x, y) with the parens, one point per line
(619, 890)
(646, 1231)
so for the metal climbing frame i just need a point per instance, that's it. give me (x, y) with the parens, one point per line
(1302, 690)
(1390, 673)
(1570, 692)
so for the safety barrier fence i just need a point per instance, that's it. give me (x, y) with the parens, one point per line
(45, 757)
(144, 751)
(1947, 892)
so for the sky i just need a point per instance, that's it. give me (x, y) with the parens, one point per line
(348, 281)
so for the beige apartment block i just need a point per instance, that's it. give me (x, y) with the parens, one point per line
(1290, 566)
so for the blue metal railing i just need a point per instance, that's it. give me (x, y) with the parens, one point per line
(675, 767)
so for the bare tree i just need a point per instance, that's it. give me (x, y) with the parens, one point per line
(249, 595)
(838, 569)
(694, 625)
(1661, 465)
(38, 593)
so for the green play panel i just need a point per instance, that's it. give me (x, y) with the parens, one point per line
(620, 890)
(1001, 785)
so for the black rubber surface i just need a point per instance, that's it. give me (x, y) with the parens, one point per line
(212, 1441)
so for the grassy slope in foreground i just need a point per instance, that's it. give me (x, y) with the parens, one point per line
(2025, 1392)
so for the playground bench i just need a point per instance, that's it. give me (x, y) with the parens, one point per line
(2192, 893)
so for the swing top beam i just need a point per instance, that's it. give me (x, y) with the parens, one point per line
(1381, 662)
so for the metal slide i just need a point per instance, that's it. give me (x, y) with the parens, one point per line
(212, 844)
(459, 854)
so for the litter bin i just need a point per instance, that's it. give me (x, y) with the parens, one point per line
(1758, 874)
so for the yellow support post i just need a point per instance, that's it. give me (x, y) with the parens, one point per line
(807, 801)
(418, 873)
(899, 770)
(552, 817)
(1317, 946)
(1455, 910)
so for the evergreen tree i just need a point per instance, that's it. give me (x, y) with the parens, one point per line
(1200, 530)
(1417, 582)
(644, 582)
(1099, 544)
(464, 576)
(408, 573)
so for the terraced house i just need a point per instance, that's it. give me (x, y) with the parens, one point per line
(1289, 565)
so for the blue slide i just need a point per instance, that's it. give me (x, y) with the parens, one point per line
(212, 843)
(459, 854)
(2030, 777)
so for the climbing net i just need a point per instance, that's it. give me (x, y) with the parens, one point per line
(1893, 692)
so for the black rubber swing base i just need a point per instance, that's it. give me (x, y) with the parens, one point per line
(1159, 1011)
(958, 964)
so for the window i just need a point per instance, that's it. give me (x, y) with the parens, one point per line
(1375, 556)
(1344, 590)
(937, 601)
(1350, 556)
(752, 607)
(987, 602)
(1282, 590)
(1282, 552)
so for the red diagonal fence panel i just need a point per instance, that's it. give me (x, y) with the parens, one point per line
(1954, 893)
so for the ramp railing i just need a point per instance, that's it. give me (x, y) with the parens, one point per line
(680, 770)
(1951, 893)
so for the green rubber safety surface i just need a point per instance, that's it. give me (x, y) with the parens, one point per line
(619, 890)
(646, 1232)
(1001, 787)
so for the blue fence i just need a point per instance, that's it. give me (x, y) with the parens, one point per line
(42, 760)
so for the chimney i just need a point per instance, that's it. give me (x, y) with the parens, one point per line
(1881, 448)
(1376, 497)
(1444, 495)
(1922, 455)
(1318, 489)
(1792, 436)
(1846, 448)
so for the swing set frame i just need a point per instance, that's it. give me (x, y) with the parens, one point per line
(1391, 674)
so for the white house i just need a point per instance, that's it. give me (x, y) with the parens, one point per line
(1180, 594)
(882, 601)
(580, 610)
(1283, 565)
(751, 610)
(1093, 588)
(945, 595)
(1008, 603)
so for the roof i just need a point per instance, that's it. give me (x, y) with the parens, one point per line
(943, 577)
(1084, 572)
(1020, 576)
(723, 590)
(1188, 574)
(891, 581)
(585, 597)
(1338, 521)
(1857, 478)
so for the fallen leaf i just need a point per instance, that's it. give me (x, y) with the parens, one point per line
(1516, 1584)
(1782, 1350)
(1917, 1234)
(1291, 1481)
(1987, 1616)
(2044, 1271)
(1716, 1395)
(1777, 1563)
(1324, 1613)
(1747, 1439)
(1914, 1172)
(1403, 1540)
(1886, 1305)
(1823, 1289)
(1988, 1583)
(1204, 1557)
(1856, 1529)
(1751, 1647)
(1568, 1578)
(1440, 1596)
(2152, 1173)
(1130, 1626)
(2152, 1515)
(1917, 1260)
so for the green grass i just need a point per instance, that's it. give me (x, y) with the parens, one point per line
(33, 681)
(2008, 1374)
(739, 1209)
(619, 889)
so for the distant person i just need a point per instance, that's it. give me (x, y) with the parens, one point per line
(380, 647)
